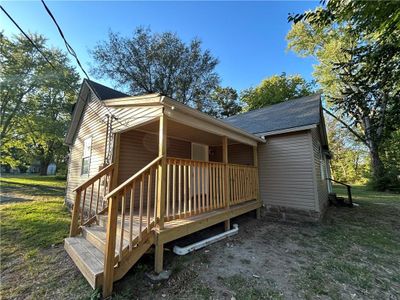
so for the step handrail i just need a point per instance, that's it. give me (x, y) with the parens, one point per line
(92, 179)
(132, 178)
(348, 189)
(114, 198)
(81, 194)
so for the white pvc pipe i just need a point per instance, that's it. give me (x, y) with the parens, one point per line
(185, 250)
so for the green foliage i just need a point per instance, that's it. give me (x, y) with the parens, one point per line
(162, 63)
(225, 103)
(275, 89)
(350, 161)
(36, 101)
(357, 48)
(380, 19)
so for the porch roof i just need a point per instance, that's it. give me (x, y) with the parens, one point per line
(186, 115)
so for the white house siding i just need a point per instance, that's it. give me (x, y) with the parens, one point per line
(286, 171)
(320, 170)
(91, 125)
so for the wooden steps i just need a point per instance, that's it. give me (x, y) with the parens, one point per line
(96, 235)
(87, 250)
(88, 259)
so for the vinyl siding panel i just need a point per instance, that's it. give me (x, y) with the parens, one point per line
(240, 154)
(319, 165)
(139, 148)
(91, 125)
(286, 171)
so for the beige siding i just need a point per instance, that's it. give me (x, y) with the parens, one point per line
(240, 154)
(138, 148)
(237, 154)
(91, 126)
(286, 173)
(319, 165)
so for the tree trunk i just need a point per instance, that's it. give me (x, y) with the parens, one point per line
(377, 167)
(43, 168)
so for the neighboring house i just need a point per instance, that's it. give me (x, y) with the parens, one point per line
(51, 169)
(147, 170)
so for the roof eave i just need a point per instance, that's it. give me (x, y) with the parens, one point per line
(173, 103)
(287, 130)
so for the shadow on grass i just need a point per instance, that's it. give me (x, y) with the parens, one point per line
(32, 189)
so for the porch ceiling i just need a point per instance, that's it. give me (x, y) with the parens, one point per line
(185, 132)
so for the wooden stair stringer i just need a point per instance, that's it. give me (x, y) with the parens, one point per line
(131, 257)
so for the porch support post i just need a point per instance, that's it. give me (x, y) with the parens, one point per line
(158, 257)
(162, 171)
(109, 254)
(255, 163)
(114, 174)
(161, 192)
(226, 178)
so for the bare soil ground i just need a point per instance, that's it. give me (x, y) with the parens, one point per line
(352, 254)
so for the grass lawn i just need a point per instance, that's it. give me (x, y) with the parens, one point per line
(353, 254)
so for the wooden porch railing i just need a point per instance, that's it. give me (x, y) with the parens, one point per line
(243, 183)
(145, 182)
(94, 191)
(194, 187)
(139, 194)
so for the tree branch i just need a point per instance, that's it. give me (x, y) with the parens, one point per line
(347, 126)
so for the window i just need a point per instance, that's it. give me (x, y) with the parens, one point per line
(87, 149)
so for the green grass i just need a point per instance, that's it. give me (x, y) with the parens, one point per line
(32, 230)
(353, 252)
(357, 248)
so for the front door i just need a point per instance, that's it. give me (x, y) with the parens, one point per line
(199, 153)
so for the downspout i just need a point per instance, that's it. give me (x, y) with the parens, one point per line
(185, 250)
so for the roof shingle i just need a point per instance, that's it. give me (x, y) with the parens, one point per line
(103, 92)
(289, 114)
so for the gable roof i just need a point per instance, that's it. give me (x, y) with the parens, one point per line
(113, 99)
(104, 92)
(290, 114)
(100, 92)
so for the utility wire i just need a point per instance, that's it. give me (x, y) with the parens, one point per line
(67, 45)
(42, 53)
(73, 53)
(28, 38)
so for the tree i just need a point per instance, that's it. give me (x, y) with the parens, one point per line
(37, 100)
(20, 63)
(150, 62)
(226, 103)
(358, 68)
(350, 157)
(275, 89)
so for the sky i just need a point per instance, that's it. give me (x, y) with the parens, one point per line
(248, 38)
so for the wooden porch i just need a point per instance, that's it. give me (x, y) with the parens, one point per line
(115, 222)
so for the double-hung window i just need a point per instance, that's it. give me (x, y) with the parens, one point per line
(87, 149)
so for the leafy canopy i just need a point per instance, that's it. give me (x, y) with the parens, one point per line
(36, 102)
(150, 62)
(225, 102)
(357, 45)
(275, 89)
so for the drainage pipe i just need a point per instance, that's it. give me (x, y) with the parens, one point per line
(190, 248)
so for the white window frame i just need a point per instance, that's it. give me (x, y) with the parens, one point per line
(86, 155)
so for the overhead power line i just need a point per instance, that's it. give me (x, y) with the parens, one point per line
(42, 53)
(73, 53)
(28, 38)
(67, 45)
